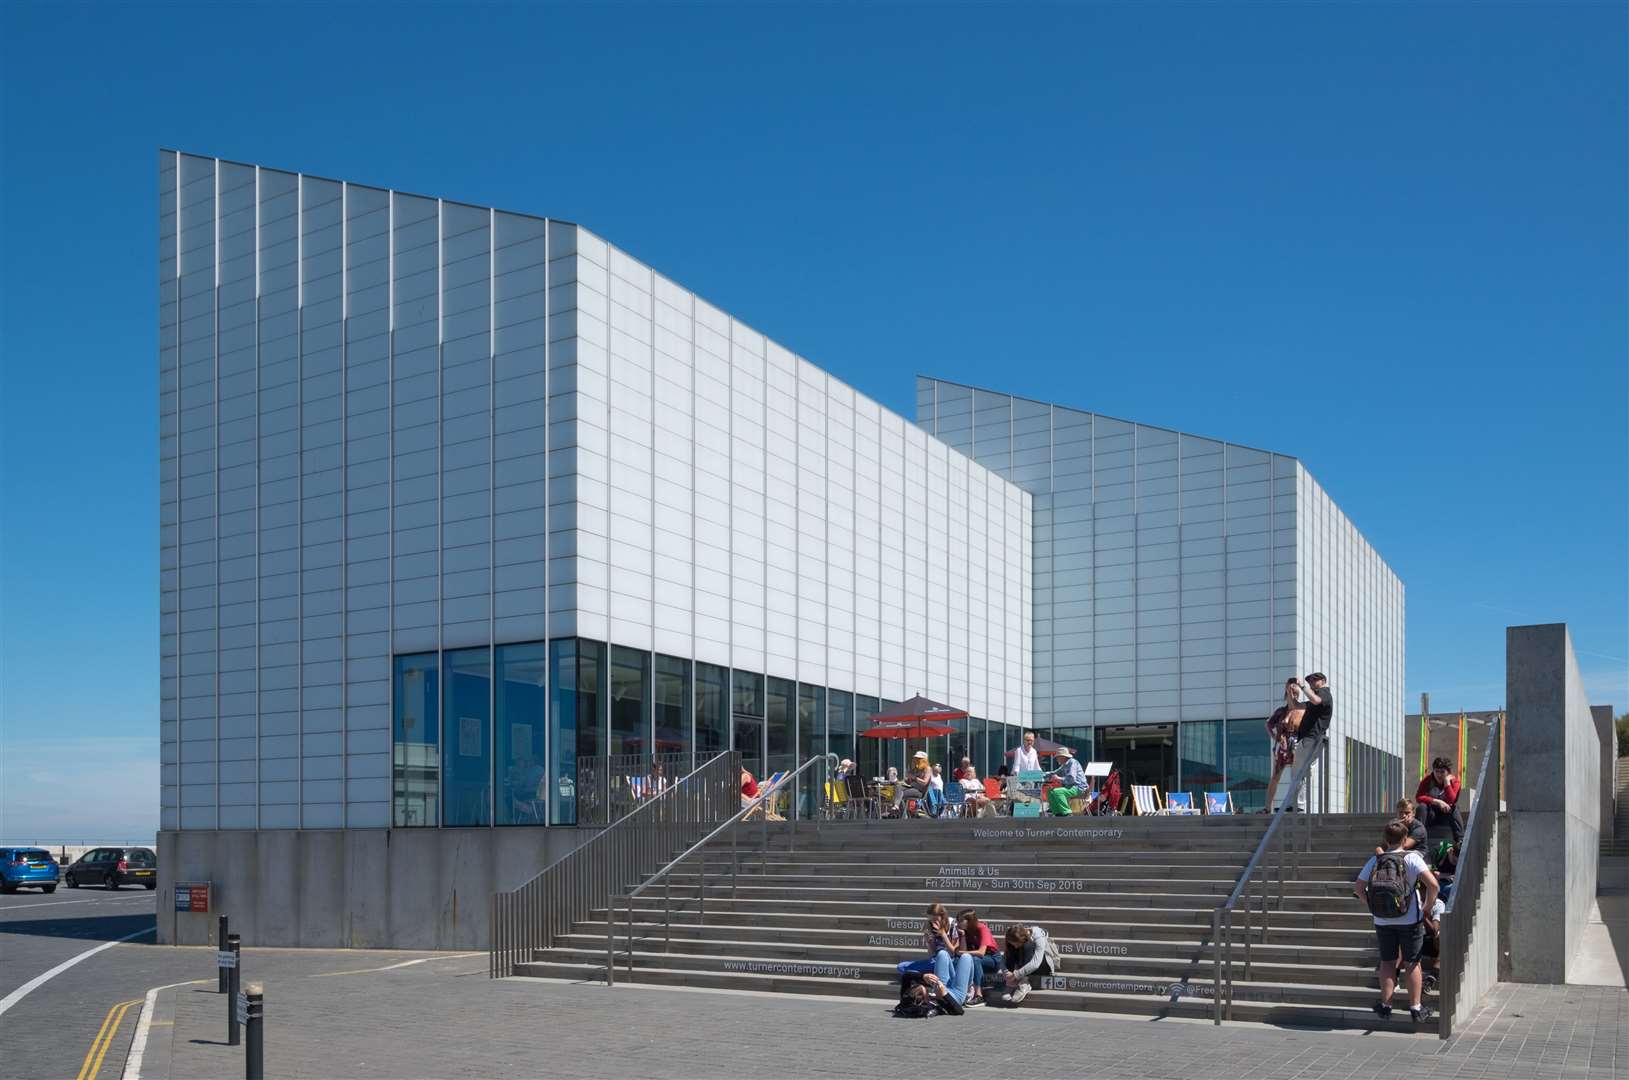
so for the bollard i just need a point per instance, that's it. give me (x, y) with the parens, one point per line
(254, 1018)
(232, 992)
(220, 945)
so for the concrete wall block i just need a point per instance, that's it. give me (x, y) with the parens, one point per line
(366, 884)
(323, 914)
(278, 888)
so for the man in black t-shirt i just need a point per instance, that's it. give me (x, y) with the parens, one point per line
(1320, 701)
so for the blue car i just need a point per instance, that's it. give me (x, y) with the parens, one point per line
(27, 868)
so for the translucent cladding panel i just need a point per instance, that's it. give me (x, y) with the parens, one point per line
(670, 702)
(780, 705)
(1248, 767)
(521, 729)
(466, 738)
(712, 710)
(415, 731)
(1199, 756)
(840, 723)
(871, 750)
(630, 691)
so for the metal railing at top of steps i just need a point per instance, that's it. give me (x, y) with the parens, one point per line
(817, 786)
(1459, 912)
(1278, 846)
(529, 917)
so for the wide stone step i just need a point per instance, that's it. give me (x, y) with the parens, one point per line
(1335, 948)
(931, 865)
(1343, 855)
(1038, 908)
(953, 892)
(1274, 964)
(1003, 879)
(1122, 997)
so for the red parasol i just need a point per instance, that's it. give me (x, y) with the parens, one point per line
(906, 729)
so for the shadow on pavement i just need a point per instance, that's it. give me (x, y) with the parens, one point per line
(90, 928)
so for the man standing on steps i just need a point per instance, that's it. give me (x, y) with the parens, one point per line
(1320, 701)
(1389, 885)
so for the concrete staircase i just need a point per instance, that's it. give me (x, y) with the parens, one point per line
(1130, 900)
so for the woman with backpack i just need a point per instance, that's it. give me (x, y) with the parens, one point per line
(1030, 954)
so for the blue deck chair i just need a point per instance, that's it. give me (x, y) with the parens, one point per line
(955, 799)
(1180, 804)
(1218, 802)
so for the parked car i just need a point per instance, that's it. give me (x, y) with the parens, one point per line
(27, 868)
(111, 867)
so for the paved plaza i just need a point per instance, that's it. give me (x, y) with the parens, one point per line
(442, 1017)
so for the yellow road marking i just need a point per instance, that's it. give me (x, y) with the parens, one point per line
(104, 1039)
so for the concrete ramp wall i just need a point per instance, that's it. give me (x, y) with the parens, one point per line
(1553, 793)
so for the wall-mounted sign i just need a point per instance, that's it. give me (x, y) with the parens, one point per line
(192, 896)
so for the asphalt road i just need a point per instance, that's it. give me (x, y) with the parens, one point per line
(72, 1025)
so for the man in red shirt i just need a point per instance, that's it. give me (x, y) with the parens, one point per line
(1438, 799)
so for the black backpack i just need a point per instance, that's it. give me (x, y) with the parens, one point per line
(1389, 893)
(913, 1006)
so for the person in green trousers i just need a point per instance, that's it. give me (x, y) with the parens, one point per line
(1071, 782)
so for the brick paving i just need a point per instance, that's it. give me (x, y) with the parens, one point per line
(445, 1018)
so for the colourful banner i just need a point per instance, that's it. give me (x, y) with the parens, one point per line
(1425, 742)
(1460, 772)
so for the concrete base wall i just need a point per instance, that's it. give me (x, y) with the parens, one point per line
(352, 888)
(1553, 793)
(1482, 963)
(1609, 776)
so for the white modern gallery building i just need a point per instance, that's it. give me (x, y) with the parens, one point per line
(453, 497)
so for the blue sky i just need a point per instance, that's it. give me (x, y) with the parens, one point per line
(1387, 239)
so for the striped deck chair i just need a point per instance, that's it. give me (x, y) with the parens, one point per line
(1145, 798)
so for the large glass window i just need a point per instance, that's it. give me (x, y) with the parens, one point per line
(811, 722)
(959, 747)
(1077, 738)
(672, 705)
(781, 701)
(577, 728)
(1247, 764)
(630, 691)
(520, 731)
(840, 724)
(747, 721)
(871, 756)
(466, 737)
(979, 746)
(712, 711)
(415, 737)
(1200, 760)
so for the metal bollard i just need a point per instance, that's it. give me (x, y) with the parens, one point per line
(232, 1034)
(254, 1050)
(220, 945)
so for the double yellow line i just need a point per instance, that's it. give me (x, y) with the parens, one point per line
(104, 1039)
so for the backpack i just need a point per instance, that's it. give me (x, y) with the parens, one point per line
(911, 1006)
(1389, 893)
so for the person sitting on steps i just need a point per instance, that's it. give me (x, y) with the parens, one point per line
(1030, 954)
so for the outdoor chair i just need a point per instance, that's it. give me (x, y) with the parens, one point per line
(1218, 802)
(955, 799)
(859, 801)
(1180, 804)
(1146, 799)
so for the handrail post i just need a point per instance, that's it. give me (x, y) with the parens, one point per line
(1216, 965)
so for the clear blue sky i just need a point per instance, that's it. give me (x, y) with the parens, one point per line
(1388, 239)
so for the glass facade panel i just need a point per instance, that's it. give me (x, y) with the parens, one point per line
(415, 731)
(748, 693)
(840, 724)
(672, 705)
(747, 721)
(871, 758)
(979, 743)
(780, 729)
(1200, 757)
(1248, 766)
(712, 710)
(520, 731)
(630, 692)
(466, 738)
(1077, 738)
(577, 728)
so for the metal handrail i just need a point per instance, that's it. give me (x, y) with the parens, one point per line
(1454, 943)
(529, 916)
(761, 805)
(1221, 919)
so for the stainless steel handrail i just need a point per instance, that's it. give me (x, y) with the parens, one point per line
(529, 916)
(1221, 919)
(1454, 942)
(760, 805)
